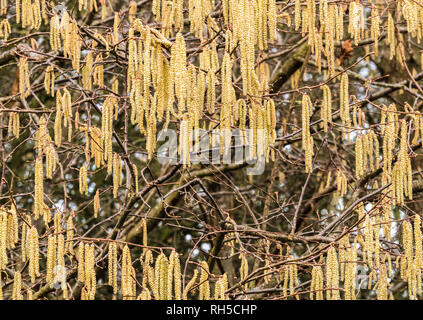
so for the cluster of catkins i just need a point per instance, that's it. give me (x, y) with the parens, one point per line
(165, 84)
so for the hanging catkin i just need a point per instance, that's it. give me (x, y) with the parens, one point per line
(190, 285)
(32, 249)
(418, 239)
(344, 102)
(89, 271)
(49, 80)
(332, 275)
(316, 287)
(51, 259)
(14, 124)
(96, 203)
(83, 188)
(112, 266)
(3, 240)
(39, 188)
(178, 71)
(307, 139)
(204, 290)
(12, 227)
(117, 173)
(326, 109)
(391, 36)
(81, 264)
(17, 286)
(126, 278)
(24, 84)
(70, 234)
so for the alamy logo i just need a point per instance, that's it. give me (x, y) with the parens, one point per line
(59, 281)
(361, 280)
(215, 147)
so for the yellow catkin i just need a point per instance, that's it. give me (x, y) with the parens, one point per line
(407, 240)
(126, 278)
(382, 284)
(132, 11)
(18, 11)
(107, 127)
(162, 276)
(23, 240)
(204, 290)
(344, 102)
(375, 29)
(332, 275)
(58, 120)
(178, 71)
(24, 82)
(3, 240)
(50, 161)
(144, 232)
(190, 285)
(29, 295)
(307, 139)
(95, 146)
(220, 288)
(272, 20)
(369, 241)
(356, 25)
(39, 188)
(81, 263)
(293, 278)
(5, 29)
(14, 124)
(98, 76)
(83, 187)
(70, 234)
(116, 24)
(359, 155)
(391, 36)
(326, 109)
(12, 227)
(389, 130)
(341, 184)
(3, 6)
(57, 223)
(36, 13)
(112, 266)
(89, 271)
(316, 286)
(402, 173)
(148, 275)
(177, 277)
(244, 268)
(51, 259)
(66, 108)
(418, 239)
(49, 80)
(17, 286)
(350, 273)
(117, 173)
(96, 204)
(144, 295)
(87, 71)
(154, 278)
(55, 41)
(77, 122)
(297, 17)
(32, 249)
(60, 257)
